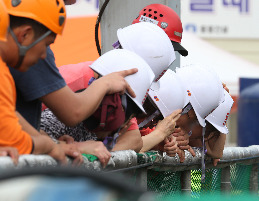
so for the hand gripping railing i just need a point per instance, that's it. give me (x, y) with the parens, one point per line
(128, 159)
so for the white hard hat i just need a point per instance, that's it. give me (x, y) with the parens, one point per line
(169, 95)
(120, 59)
(151, 43)
(218, 118)
(203, 88)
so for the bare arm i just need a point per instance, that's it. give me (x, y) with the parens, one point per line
(72, 108)
(26, 126)
(44, 145)
(151, 140)
(215, 146)
(164, 128)
(129, 140)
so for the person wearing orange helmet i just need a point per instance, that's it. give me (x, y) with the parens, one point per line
(4, 23)
(33, 26)
(167, 19)
(45, 84)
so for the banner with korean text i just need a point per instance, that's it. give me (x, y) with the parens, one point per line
(221, 18)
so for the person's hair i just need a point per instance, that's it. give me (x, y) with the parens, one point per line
(37, 27)
(149, 106)
(150, 109)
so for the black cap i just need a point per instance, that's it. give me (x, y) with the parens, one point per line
(179, 48)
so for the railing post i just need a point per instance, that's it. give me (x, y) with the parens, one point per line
(254, 179)
(186, 182)
(141, 177)
(225, 180)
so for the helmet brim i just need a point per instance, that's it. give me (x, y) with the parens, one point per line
(221, 129)
(179, 48)
(200, 119)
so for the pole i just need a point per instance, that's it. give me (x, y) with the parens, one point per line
(121, 13)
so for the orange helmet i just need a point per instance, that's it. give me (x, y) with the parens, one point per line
(167, 19)
(50, 13)
(4, 21)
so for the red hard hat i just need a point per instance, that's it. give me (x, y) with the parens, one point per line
(166, 18)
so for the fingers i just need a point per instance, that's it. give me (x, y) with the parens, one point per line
(182, 143)
(192, 151)
(175, 115)
(74, 154)
(181, 155)
(78, 160)
(171, 146)
(68, 139)
(3, 153)
(186, 147)
(130, 91)
(215, 161)
(125, 73)
(62, 160)
(225, 87)
(104, 158)
(171, 142)
(14, 155)
(177, 132)
(12, 152)
(167, 140)
(171, 153)
(128, 88)
(181, 138)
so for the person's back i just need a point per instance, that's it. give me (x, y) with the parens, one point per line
(29, 34)
(19, 139)
(38, 81)
(11, 132)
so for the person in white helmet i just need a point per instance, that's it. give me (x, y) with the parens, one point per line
(216, 129)
(150, 42)
(190, 124)
(188, 119)
(140, 82)
(166, 97)
(152, 54)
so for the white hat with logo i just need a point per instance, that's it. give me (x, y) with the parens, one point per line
(168, 93)
(121, 59)
(151, 43)
(218, 118)
(203, 88)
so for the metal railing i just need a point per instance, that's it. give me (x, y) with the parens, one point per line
(125, 161)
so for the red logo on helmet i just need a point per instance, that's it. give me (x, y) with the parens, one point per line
(147, 19)
(156, 98)
(160, 75)
(224, 123)
(145, 97)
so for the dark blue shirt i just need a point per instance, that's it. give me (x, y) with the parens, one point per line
(40, 80)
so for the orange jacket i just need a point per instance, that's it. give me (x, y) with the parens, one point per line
(11, 133)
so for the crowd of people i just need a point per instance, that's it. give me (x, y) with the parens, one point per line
(128, 99)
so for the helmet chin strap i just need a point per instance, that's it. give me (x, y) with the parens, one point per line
(148, 119)
(23, 49)
(203, 152)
